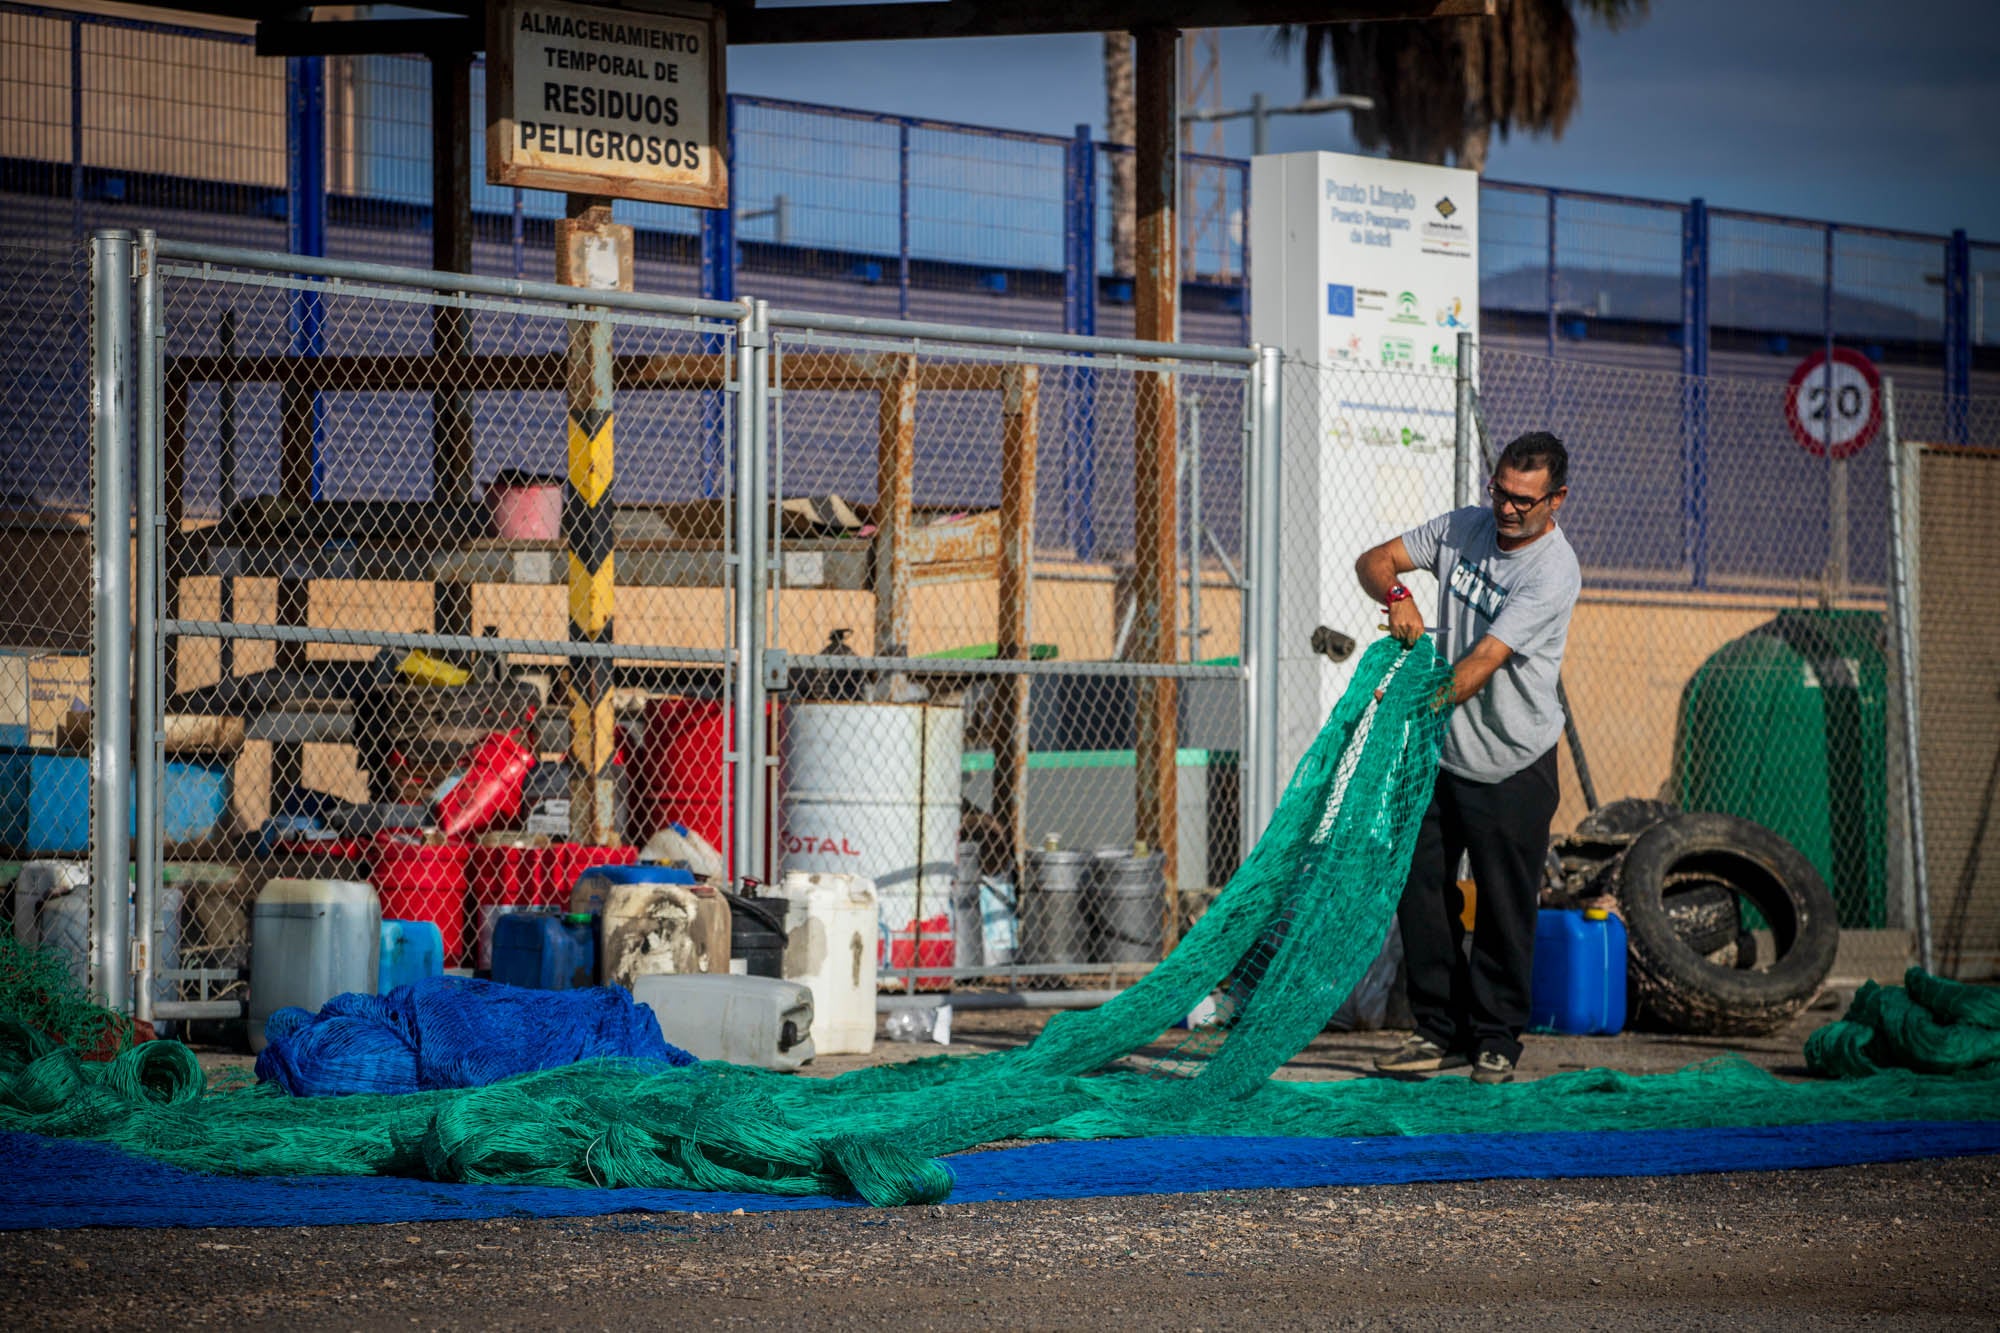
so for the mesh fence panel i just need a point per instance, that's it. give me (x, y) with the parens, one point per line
(948, 510)
(1730, 650)
(46, 624)
(367, 593)
(1368, 453)
(377, 638)
(1951, 497)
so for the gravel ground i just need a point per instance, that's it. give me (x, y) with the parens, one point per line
(1910, 1245)
(1907, 1245)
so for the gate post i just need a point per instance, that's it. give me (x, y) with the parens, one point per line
(111, 395)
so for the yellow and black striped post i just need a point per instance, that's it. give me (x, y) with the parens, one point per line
(591, 252)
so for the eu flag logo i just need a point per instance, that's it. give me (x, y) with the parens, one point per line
(1339, 299)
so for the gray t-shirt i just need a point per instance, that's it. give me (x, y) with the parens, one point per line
(1522, 598)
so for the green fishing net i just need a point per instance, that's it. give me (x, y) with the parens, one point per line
(39, 993)
(1284, 943)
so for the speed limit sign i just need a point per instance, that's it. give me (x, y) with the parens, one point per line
(1838, 418)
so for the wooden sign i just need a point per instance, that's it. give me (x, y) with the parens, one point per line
(615, 101)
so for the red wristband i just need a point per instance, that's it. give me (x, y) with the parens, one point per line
(1397, 593)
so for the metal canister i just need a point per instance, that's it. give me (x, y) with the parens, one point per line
(1127, 899)
(1054, 928)
(968, 923)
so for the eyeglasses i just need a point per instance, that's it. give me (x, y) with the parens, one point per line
(1520, 502)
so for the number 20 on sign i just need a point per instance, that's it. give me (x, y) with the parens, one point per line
(1839, 417)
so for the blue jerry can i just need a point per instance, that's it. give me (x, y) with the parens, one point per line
(411, 951)
(545, 952)
(1579, 978)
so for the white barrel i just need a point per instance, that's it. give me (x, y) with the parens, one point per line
(831, 946)
(872, 790)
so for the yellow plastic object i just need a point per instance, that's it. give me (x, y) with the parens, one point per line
(421, 667)
(1595, 914)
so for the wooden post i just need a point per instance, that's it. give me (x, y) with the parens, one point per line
(591, 252)
(1019, 440)
(451, 252)
(1156, 530)
(297, 413)
(895, 469)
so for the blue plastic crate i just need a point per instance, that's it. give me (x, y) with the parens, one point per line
(45, 801)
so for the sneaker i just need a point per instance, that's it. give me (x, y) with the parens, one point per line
(1419, 1055)
(1492, 1067)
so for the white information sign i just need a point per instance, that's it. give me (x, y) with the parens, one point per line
(1368, 269)
(619, 101)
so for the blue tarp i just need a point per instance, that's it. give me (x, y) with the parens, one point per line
(64, 1183)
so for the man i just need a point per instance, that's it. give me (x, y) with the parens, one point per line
(1507, 580)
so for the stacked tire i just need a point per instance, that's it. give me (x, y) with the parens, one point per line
(1681, 880)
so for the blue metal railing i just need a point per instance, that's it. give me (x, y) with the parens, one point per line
(933, 218)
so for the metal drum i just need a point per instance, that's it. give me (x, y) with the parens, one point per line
(1127, 898)
(1054, 928)
(872, 790)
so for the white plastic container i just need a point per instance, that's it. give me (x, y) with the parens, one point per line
(63, 927)
(760, 1021)
(657, 929)
(872, 789)
(831, 947)
(310, 940)
(38, 881)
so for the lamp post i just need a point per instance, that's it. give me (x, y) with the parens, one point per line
(1260, 114)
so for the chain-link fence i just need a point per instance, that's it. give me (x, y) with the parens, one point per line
(428, 558)
(1951, 495)
(452, 586)
(1731, 650)
(1022, 714)
(445, 584)
(46, 624)
(1371, 450)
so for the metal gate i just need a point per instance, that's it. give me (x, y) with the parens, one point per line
(399, 530)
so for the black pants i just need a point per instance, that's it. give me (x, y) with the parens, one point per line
(1477, 1005)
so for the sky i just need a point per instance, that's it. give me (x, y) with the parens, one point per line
(1880, 114)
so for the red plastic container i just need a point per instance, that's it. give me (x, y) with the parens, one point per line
(495, 773)
(929, 943)
(681, 777)
(578, 858)
(542, 876)
(417, 882)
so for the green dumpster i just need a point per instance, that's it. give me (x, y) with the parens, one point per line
(1788, 727)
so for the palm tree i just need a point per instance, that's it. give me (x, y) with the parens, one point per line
(1514, 71)
(1121, 125)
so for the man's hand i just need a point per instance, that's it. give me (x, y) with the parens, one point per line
(1406, 623)
(1377, 570)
